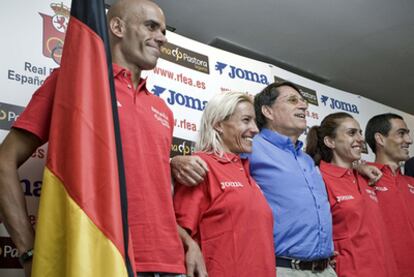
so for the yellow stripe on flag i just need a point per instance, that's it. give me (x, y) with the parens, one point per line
(69, 244)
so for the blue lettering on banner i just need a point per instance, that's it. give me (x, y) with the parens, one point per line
(335, 104)
(176, 98)
(240, 73)
(220, 66)
(31, 188)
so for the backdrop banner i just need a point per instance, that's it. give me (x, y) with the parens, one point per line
(187, 75)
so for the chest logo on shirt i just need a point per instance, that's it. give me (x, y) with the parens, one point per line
(341, 198)
(378, 188)
(372, 195)
(411, 188)
(161, 117)
(225, 185)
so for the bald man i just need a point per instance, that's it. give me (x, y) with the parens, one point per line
(136, 32)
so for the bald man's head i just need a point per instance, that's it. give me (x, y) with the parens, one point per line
(124, 8)
(137, 31)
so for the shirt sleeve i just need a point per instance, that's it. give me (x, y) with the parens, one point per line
(189, 205)
(37, 115)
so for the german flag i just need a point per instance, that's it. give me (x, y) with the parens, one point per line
(82, 229)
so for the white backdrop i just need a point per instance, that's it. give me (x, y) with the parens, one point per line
(186, 77)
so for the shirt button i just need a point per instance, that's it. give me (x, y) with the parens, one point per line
(129, 86)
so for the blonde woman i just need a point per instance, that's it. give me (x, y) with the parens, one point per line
(227, 213)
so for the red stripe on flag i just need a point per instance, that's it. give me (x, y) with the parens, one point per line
(82, 146)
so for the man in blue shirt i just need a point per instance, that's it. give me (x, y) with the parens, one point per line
(291, 184)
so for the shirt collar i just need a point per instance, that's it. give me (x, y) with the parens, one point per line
(377, 165)
(226, 158)
(120, 71)
(280, 140)
(334, 170)
(385, 168)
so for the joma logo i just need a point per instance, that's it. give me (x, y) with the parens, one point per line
(176, 98)
(240, 73)
(339, 105)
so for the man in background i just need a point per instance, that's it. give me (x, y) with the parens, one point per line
(389, 138)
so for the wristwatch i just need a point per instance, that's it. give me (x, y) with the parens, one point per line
(26, 256)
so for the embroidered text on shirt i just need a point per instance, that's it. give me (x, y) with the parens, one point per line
(341, 198)
(225, 185)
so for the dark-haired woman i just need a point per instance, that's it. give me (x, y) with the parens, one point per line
(357, 224)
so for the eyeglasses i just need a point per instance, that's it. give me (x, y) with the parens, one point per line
(294, 100)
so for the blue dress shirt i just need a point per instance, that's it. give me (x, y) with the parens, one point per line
(295, 191)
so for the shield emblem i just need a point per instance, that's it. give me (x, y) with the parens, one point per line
(54, 30)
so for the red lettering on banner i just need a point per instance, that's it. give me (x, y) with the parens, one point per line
(181, 78)
(185, 124)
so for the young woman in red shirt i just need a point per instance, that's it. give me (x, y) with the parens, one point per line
(358, 232)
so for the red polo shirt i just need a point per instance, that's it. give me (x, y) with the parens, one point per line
(396, 200)
(146, 125)
(229, 216)
(406, 185)
(357, 225)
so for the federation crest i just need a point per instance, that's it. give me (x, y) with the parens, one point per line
(54, 29)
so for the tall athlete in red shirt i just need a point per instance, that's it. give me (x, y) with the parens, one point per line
(136, 31)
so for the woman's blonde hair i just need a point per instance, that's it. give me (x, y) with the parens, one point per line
(219, 108)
